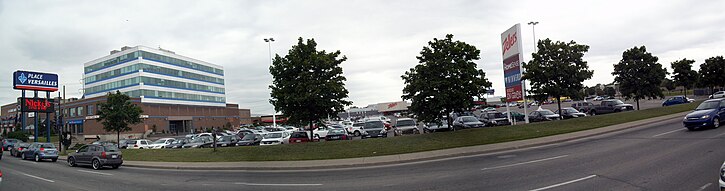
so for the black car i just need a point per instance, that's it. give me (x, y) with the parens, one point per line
(250, 140)
(494, 119)
(97, 156)
(199, 142)
(568, 113)
(18, 149)
(467, 122)
(374, 129)
(336, 134)
(227, 141)
(178, 143)
(543, 115)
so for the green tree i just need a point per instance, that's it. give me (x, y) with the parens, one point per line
(308, 84)
(712, 73)
(445, 80)
(668, 84)
(557, 69)
(117, 113)
(590, 91)
(610, 91)
(639, 75)
(683, 75)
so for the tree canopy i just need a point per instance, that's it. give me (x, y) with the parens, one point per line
(557, 69)
(639, 75)
(445, 80)
(712, 72)
(308, 84)
(683, 75)
(117, 113)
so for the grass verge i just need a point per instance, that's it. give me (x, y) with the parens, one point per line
(399, 145)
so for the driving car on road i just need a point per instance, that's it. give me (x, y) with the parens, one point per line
(677, 100)
(276, 138)
(543, 115)
(708, 114)
(405, 126)
(569, 112)
(161, 143)
(466, 122)
(336, 134)
(19, 148)
(494, 119)
(40, 151)
(97, 156)
(251, 139)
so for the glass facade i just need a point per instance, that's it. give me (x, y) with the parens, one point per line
(154, 82)
(152, 69)
(112, 62)
(180, 62)
(175, 96)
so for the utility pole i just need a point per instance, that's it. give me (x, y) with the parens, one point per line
(274, 113)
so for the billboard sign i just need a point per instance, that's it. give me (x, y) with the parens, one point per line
(40, 105)
(26, 80)
(512, 57)
(393, 106)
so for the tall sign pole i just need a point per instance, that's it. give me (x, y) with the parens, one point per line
(36, 81)
(512, 58)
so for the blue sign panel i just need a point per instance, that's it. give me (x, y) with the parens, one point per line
(25, 80)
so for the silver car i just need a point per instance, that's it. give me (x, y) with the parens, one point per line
(721, 180)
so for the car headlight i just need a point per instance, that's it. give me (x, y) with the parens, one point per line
(705, 117)
(624, 108)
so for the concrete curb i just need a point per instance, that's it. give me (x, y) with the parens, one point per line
(399, 158)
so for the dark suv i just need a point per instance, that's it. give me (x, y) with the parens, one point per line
(97, 156)
(374, 129)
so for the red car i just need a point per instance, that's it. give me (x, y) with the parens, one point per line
(300, 137)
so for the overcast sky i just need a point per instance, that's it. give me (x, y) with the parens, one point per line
(380, 38)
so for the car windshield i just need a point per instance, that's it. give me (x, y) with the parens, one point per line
(297, 135)
(160, 141)
(617, 102)
(273, 135)
(47, 146)
(110, 148)
(180, 141)
(469, 119)
(570, 110)
(224, 139)
(248, 137)
(336, 131)
(406, 123)
(546, 112)
(708, 105)
(496, 115)
(199, 140)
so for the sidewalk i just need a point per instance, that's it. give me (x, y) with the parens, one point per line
(395, 159)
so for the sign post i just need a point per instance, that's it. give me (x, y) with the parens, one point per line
(512, 57)
(36, 81)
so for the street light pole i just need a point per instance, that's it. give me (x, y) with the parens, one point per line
(274, 113)
(533, 28)
(523, 83)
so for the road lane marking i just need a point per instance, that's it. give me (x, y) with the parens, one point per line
(523, 163)
(668, 132)
(39, 178)
(95, 172)
(265, 184)
(564, 183)
(718, 135)
(704, 186)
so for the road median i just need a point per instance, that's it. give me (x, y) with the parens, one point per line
(399, 149)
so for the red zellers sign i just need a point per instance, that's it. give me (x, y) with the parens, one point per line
(36, 105)
(509, 42)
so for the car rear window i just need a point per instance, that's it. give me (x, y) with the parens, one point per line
(299, 135)
(48, 146)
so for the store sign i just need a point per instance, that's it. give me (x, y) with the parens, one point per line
(25, 80)
(40, 105)
(511, 49)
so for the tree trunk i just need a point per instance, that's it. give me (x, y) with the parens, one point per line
(558, 103)
(637, 104)
(685, 92)
(118, 138)
(450, 120)
(312, 131)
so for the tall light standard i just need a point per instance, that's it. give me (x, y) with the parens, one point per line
(523, 83)
(274, 113)
(533, 28)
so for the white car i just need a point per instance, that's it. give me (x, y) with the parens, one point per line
(161, 143)
(406, 126)
(720, 94)
(598, 98)
(275, 138)
(722, 176)
(356, 129)
(139, 144)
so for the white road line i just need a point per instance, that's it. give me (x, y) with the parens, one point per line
(43, 179)
(101, 173)
(529, 162)
(704, 186)
(263, 184)
(668, 132)
(564, 183)
(718, 135)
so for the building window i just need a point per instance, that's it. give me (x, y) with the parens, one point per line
(73, 112)
(80, 111)
(90, 110)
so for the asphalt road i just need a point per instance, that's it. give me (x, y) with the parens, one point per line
(660, 156)
(643, 104)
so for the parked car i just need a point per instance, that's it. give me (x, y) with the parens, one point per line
(494, 118)
(373, 129)
(466, 122)
(123, 144)
(1, 151)
(543, 115)
(570, 112)
(583, 107)
(441, 125)
(406, 126)
(610, 106)
(598, 98)
(40, 151)
(300, 137)
(178, 143)
(719, 94)
(489, 109)
(516, 115)
(161, 143)
(139, 144)
(356, 129)
(7, 144)
(18, 148)
(250, 140)
(97, 156)
(199, 142)
(707, 114)
(276, 138)
(337, 134)
(721, 180)
(227, 141)
(676, 100)
(320, 132)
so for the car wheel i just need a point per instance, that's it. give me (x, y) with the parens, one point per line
(22, 157)
(716, 122)
(691, 128)
(357, 133)
(72, 161)
(53, 160)
(592, 113)
(37, 158)
(96, 164)
(115, 166)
